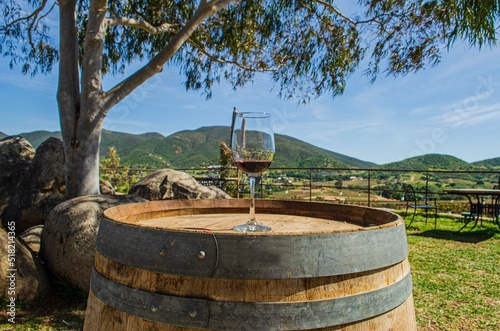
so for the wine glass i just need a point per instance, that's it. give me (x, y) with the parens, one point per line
(252, 146)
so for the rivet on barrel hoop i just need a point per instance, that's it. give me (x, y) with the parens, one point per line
(162, 252)
(201, 255)
(154, 309)
(193, 313)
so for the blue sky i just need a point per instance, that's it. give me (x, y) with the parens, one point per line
(453, 108)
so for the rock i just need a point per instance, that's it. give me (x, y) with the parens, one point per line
(105, 187)
(70, 234)
(26, 278)
(31, 238)
(16, 156)
(41, 189)
(172, 184)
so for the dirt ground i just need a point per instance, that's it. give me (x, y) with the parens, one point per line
(61, 310)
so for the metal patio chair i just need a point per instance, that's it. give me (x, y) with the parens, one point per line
(417, 201)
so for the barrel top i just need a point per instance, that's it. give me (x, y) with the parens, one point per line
(283, 216)
(280, 224)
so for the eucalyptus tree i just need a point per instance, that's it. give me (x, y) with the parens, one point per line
(308, 47)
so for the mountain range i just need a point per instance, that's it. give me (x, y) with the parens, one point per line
(201, 147)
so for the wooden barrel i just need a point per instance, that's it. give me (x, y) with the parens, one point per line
(177, 265)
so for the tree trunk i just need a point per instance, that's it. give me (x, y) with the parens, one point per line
(82, 160)
(80, 127)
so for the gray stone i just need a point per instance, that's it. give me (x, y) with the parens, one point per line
(69, 236)
(16, 156)
(41, 189)
(168, 184)
(25, 277)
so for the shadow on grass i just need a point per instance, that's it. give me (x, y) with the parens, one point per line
(475, 236)
(448, 226)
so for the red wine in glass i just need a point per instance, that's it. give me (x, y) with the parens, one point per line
(252, 146)
(253, 166)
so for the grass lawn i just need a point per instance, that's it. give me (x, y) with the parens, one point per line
(456, 276)
(456, 283)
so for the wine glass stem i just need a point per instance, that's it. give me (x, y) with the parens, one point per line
(252, 220)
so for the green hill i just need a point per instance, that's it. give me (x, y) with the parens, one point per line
(184, 149)
(430, 161)
(495, 162)
(122, 140)
(201, 147)
(292, 152)
(36, 138)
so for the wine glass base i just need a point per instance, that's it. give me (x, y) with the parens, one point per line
(252, 228)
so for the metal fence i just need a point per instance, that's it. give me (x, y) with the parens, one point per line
(368, 187)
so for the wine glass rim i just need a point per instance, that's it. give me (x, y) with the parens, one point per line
(254, 114)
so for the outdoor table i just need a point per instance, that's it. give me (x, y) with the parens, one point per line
(477, 193)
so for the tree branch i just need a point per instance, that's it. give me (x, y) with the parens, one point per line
(131, 22)
(124, 88)
(349, 20)
(219, 4)
(32, 20)
(235, 63)
(336, 11)
(28, 17)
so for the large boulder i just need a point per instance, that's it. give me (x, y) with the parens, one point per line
(22, 275)
(41, 189)
(168, 184)
(16, 156)
(69, 236)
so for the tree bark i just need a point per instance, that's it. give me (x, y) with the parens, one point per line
(82, 161)
(80, 112)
